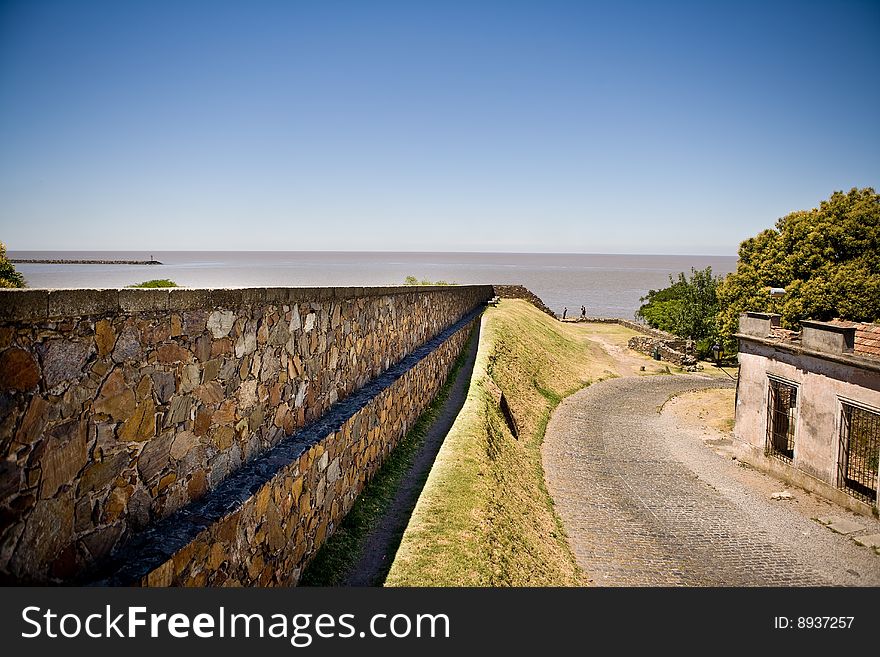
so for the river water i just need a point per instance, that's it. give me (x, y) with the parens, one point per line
(608, 285)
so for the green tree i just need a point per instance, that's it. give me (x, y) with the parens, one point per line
(688, 307)
(9, 277)
(827, 259)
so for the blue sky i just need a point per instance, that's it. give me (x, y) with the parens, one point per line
(616, 127)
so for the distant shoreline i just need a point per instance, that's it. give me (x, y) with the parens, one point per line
(34, 261)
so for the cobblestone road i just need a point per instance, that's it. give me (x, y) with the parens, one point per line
(638, 514)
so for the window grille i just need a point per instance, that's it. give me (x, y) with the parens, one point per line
(781, 420)
(859, 452)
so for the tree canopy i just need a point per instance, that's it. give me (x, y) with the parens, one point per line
(688, 307)
(827, 259)
(9, 276)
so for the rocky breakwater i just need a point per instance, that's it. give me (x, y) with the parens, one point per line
(120, 407)
(37, 261)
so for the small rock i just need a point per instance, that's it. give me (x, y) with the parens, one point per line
(105, 337)
(246, 344)
(163, 382)
(18, 370)
(173, 353)
(782, 495)
(115, 398)
(220, 323)
(141, 425)
(64, 360)
(183, 443)
(128, 346)
(66, 455)
(154, 457)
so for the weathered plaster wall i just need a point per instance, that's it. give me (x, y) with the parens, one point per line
(821, 386)
(119, 407)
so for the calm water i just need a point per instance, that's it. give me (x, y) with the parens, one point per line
(608, 285)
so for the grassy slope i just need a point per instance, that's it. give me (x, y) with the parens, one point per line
(485, 517)
(342, 550)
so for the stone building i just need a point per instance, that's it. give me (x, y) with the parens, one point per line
(808, 405)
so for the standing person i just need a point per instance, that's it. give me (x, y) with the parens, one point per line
(564, 311)
(583, 312)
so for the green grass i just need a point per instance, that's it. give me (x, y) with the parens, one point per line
(156, 282)
(342, 550)
(485, 517)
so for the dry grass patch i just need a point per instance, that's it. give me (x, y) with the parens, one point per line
(484, 517)
(710, 410)
(615, 334)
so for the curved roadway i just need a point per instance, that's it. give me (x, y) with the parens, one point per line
(646, 503)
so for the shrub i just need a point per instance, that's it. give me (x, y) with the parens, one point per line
(412, 280)
(156, 282)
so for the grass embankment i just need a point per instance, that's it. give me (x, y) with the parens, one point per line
(484, 517)
(341, 551)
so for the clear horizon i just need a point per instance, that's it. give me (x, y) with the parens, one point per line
(640, 128)
(585, 253)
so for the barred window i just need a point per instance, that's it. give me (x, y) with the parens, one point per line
(781, 419)
(859, 451)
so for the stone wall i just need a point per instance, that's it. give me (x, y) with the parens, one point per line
(521, 292)
(119, 407)
(670, 348)
(264, 525)
(635, 326)
(676, 351)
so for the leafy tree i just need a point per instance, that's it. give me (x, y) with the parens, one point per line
(9, 277)
(688, 307)
(827, 259)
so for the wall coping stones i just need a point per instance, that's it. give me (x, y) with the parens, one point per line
(44, 304)
(24, 304)
(71, 303)
(157, 544)
(143, 299)
(871, 364)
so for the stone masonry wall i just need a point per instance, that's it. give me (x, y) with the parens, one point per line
(119, 407)
(677, 351)
(671, 348)
(521, 292)
(635, 326)
(269, 536)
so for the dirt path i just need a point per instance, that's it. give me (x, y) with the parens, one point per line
(628, 361)
(381, 543)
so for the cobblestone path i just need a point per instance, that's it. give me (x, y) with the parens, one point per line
(639, 511)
